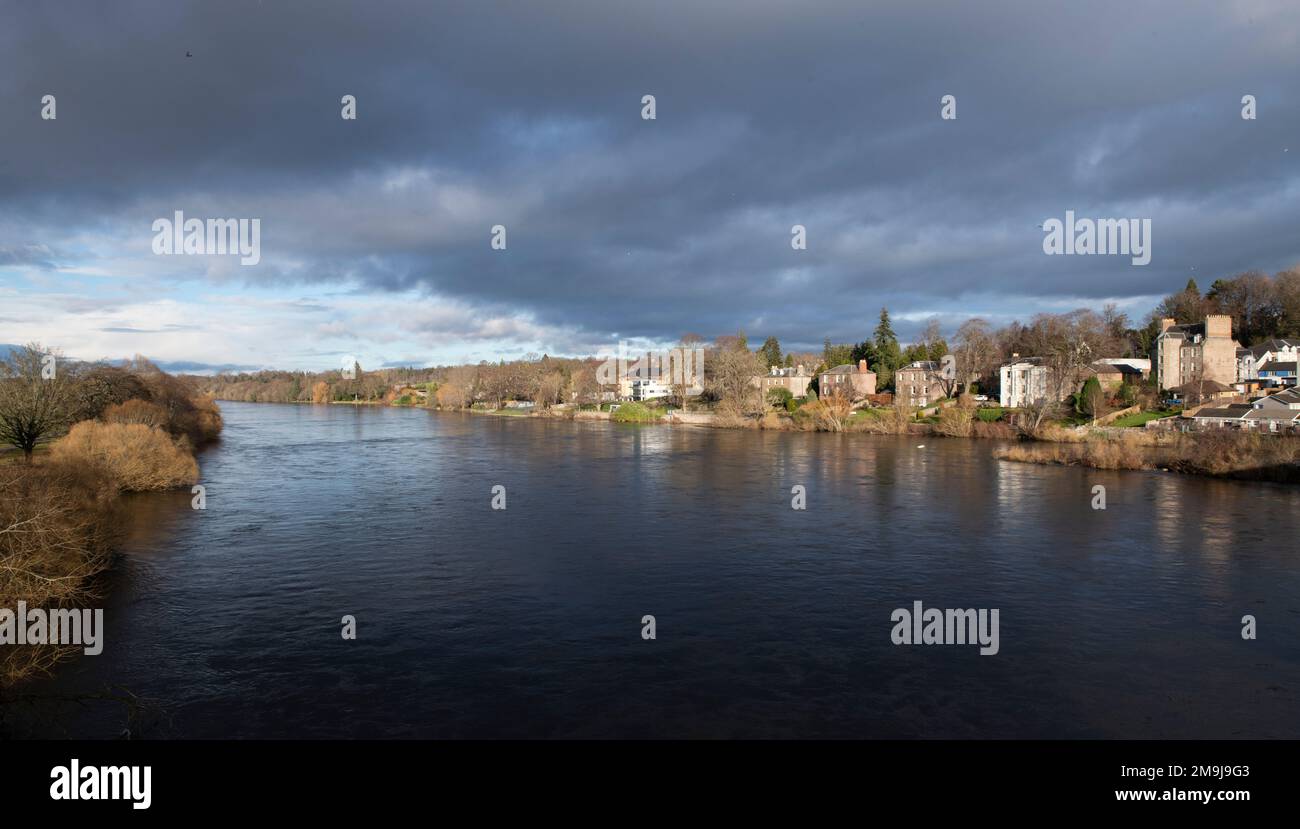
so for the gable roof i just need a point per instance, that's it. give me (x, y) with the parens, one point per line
(1260, 349)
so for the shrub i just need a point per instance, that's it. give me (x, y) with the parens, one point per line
(829, 414)
(54, 536)
(135, 457)
(779, 397)
(633, 413)
(190, 415)
(955, 421)
(136, 411)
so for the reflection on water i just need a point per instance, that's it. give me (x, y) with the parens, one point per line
(771, 621)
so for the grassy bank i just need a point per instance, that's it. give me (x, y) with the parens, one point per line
(1224, 454)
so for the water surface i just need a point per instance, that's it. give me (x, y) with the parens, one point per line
(771, 622)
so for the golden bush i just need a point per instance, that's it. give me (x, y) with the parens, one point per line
(135, 457)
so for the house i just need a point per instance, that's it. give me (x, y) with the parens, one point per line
(847, 381)
(1275, 413)
(794, 380)
(1197, 393)
(1024, 382)
(1197, 351)
(1130, 365)
(1250, 359)
(642, 385)
(1278, 373)
(642, 390)
(920, 383)
(1231, 416)
(1112, 373)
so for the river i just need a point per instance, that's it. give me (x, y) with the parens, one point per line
(770, 621)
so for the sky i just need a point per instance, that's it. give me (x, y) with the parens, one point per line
(375, 233)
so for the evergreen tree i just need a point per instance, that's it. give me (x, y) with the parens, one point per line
(887, 350)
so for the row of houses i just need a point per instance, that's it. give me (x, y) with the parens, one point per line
(1206, 351)
(919, 383)
(1194, 363)
(1273, 413)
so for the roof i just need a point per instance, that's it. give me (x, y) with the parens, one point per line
(847, 368)
(1290, 397)
(1034, 361)
(1226, 413)
(1116, 368)
(921, 365)
(1274, 365)
(1284, 415)
(1184, 331)
(1260, 349)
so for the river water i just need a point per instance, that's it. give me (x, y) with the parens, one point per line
(770, 621)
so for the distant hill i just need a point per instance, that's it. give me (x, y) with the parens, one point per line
(171, 366)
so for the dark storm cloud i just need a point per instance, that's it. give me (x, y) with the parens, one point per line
(769, 114)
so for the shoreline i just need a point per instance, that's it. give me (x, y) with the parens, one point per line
(1221, 455)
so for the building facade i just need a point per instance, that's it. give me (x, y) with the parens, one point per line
(919, 383)
(1199, 351)
(847, 381)
(794, 380)
(1023, 382)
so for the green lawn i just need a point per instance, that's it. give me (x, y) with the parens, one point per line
(1142, 418)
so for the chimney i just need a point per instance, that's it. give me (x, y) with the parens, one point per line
(1218, 325)
(862, 366)
(1015, 356)
(800, 369)
(1166, 323)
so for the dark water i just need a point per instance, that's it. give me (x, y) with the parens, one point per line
(770, 621)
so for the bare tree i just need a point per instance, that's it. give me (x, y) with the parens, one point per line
(35, 398)
(976, 351)
(733, 370)
(1036, 413)
(549, 388)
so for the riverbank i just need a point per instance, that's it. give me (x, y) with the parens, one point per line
(58, 516)
(1220, 454)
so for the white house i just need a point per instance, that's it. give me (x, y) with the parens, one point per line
(1024, 382)
(649, 390)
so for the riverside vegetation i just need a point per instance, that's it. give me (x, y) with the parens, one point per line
(81, 435)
